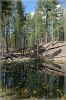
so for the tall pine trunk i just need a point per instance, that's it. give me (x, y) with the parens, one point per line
(6, 33)
(46, 37)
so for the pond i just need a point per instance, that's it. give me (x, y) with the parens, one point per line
(35, 79)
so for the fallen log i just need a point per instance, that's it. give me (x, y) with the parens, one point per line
(55, 53)
(54, 47)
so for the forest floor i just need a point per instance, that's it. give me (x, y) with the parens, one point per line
(55, 51)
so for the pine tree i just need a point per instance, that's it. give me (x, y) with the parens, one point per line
(47, 7)
(6, 7)
(20, 19)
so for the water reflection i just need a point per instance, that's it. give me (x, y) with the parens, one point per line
(32, 79)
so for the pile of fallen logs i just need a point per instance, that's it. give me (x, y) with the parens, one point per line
(53, 49)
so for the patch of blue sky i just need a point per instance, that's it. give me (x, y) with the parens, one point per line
(30, 5)
(63, 3)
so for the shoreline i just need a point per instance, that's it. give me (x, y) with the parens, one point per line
(58, 60)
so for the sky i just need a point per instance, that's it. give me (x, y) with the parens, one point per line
(30, 5)
(63, 3)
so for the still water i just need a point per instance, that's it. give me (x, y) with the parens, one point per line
(26, 80)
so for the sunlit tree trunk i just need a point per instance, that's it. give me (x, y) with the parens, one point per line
(46, 38)
(6, 32)
(52, 32)
(65, 24)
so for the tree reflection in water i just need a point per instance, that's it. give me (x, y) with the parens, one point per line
(31, 79)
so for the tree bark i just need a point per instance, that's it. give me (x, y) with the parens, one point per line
(46, 38)
(24, 46)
